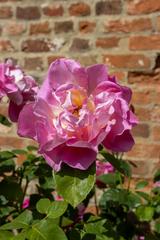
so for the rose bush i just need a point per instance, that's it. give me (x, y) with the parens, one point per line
(76, 113)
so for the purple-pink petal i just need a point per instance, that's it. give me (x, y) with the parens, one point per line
(27, 122)
(75, 157)
(14, 111)
(96, 74)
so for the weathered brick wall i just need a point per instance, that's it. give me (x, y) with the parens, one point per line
(124, 34)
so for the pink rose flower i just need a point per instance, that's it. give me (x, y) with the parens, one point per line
(157, 184)
(57, 197)
(26, 203)
(103, 168)
(141, 238)
(76, 110)
(17, 86)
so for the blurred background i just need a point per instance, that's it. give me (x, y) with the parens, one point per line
(123, 34)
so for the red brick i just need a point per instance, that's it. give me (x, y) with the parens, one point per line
(156, 133)
(6, 46)
(141, 170)
(121, 76)
(128, 61)
(42, 27)
(11, 0)
(144, 78)
(34, 63)
(53, 58)
(38, 45)
(53, 10)
(108, 42)
(14, 28)
(142, 98)
(141, 130)
(143, 6)
(149, 151)
(129, 25)
(28, 13)
(143, 114)
(87, 60)
(158, 23)
(79, 44)
(86, 26)
(145, 42)
(157, 93)
(155, 114)
(108, 7)
(5, 12)
(79, 9)
(63, 27)
(11, 142)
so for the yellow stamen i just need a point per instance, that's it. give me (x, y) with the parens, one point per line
(77, 98)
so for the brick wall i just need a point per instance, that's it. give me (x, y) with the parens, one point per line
(124, 34)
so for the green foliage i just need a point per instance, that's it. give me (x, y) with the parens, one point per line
(111, 179)
(22, 221)
(157, 176)
(43, 205)
(46, 229)
(124, 214)
(119, 164)
(5, 235)
(74, 185)
(51, 209)
(141, 184)
(145, 213)
(4, 121)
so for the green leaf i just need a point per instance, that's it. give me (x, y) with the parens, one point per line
(74, 235)
(57, 209)
(19, 151)
(21, 236)
(66, 222)
(4, 121)
(141, 184)
(73, 184)
(157, 226)
(11, 190)
(144, 195)
(7, 166)
(47, 230)
(32, 148)
(5, 235)
(43, 205)
(110, 178)
(119, 164)
(22, 221)
(95, 225)
(4, 155)
(51, 209)
(157, 176)
(120, 196)
(47, 182)
(5, 211)
(145, 213)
